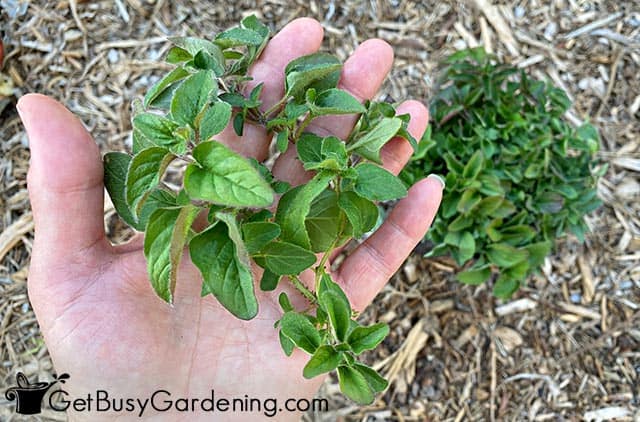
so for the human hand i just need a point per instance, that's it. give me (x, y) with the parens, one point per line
(101, 320)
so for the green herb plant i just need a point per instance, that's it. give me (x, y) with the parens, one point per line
(178, 121)
(518, 175)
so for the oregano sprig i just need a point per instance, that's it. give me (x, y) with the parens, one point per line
(179, 119)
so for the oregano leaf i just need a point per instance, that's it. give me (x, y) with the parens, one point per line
(224, 275)
(170, 78)
(224, 177)
(367, 338)
(303, 72)
(144, 173)
(362, 213)
(375, 381)
(301, 331)
(325, 359)
(336, 101)
(339, 312)
(214, 120)
(258, 234)
(191, 97)
(354, 385)
(284, 258)
(158, 131)
(163, 244)
(377, 184)
(116, 165)
(294, 207)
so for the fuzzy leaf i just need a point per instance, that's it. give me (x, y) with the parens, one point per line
(367, 338)
(161, 86)
(144, 173)
(192, 96)
(300, 330)
(305, 71)
(115, 174)
(339, 312)
(362, 213)
(336, 101)
(294, 207)
(354, 385)
(284, 258)
(158, 131)
(214, 120)
(325, 359)
(224, 275)
(372, 141)
(375, 381)
(257, 234)
(377, 184)
(223, 177)
(164, 242)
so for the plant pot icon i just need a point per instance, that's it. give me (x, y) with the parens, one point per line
(29, 396)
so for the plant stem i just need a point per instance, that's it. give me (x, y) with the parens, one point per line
(303, 125)
(308, 294)
(275, 107)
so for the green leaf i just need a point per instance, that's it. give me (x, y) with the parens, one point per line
(377, 184)
(284, 302)
(207, 61)
(323, 221)
(214, 120)
(286, 343)
(301, 331)
(158, 131)
(164, 242)
(325, 359)
(178, 55)
(194, 45)
(115, 174)
(294, 207)
(474, 166)
(144, 173)
(224, 275)
(375, 381)
(372, 141)
(367, 338)
(467, 247)
(335, 101)
(354, 385)
(170, 78)
(309, 147)
(284, 258)
(505, 256)
(238, 124)
(505, 287)
(339, 311)
(282, 140)
(192, 96)
(362, 213)
(538, 252)
(475, 276)
(235, 37)
(269, 280)
(257, 234)
(303, 72)
(224, 177)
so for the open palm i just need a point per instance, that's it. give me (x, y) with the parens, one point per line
(100, 318)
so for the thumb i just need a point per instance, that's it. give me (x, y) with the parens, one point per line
(64, 181)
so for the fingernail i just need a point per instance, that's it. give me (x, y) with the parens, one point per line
(438, 178)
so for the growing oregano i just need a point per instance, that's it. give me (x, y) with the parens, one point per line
(518, 175)
(179, 119)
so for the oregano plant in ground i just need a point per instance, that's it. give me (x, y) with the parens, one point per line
(518, 175)
(179, 120)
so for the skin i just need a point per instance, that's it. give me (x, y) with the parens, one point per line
(102, 322)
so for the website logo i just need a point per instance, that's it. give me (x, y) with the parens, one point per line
(29, 396)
